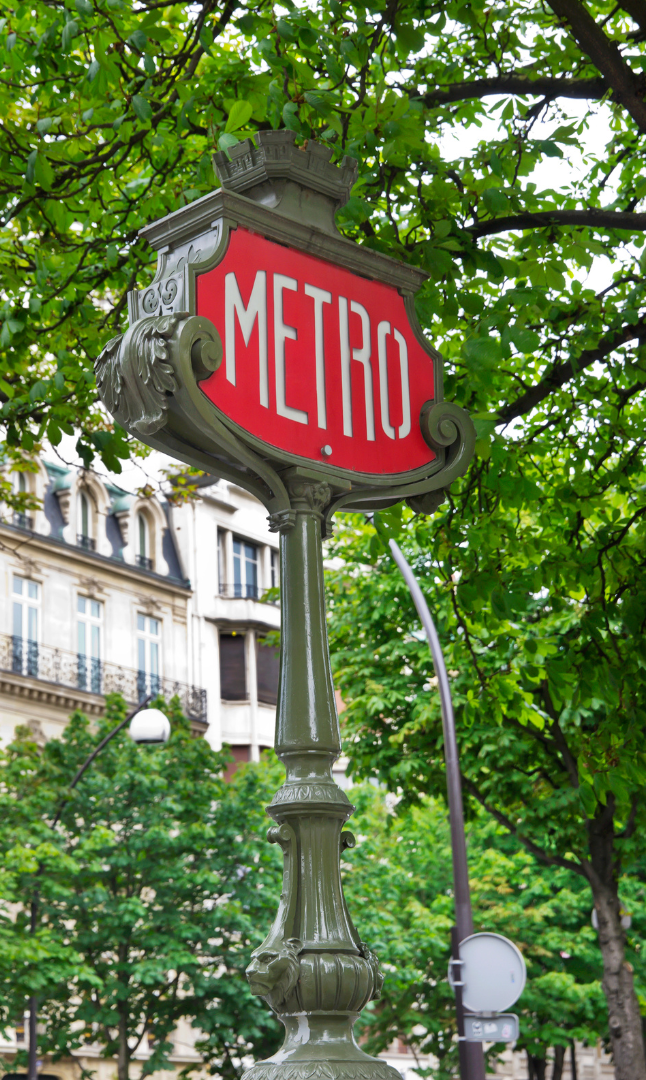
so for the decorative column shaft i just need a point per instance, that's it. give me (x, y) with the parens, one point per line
(312, 969)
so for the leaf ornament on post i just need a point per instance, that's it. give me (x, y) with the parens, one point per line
(135, 374)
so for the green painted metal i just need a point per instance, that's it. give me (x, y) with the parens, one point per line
(312, 969)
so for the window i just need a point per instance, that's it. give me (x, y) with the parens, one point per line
(84, 536)
(20, 517)
(233, 673)
(26, 607)
(275, 569)
(142, 556)
(19, 1028)
(245, 569)
(89, 619)
(148, 655)
(222, 562)
(267, 667)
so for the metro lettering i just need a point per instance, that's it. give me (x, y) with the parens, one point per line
(256, 309)
(320, 297)
(281, 334)
(363, 356)
(383, 330)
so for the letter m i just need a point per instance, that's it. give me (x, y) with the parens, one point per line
(256, 309)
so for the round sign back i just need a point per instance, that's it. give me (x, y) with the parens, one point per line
(493, 973)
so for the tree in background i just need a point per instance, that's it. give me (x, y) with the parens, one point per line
(112, 112)
(398, 883)
(153, 889)
(547, 680)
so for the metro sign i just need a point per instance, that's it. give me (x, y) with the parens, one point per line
(268, 346)
(318, 361)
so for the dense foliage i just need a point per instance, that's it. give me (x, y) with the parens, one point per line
(151, 892)
(399, 887)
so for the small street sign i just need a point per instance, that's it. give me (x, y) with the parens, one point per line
(492, 972)
(501, 1028)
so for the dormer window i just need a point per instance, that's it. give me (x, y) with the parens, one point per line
(84, 536)
(142, 555)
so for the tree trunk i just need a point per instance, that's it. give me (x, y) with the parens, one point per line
(123, 1059)
(624, 1017)
(559, 1057)
(536, 1067)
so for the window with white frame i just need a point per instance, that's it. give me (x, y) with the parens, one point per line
(26, 625)
(222, 562)
(84, 536)
(275, 568)
(245, 569)
(148, 655)
(143, 555)
(89, 623)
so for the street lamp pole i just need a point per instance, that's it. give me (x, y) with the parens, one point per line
(471, 1056)
(32, 1061)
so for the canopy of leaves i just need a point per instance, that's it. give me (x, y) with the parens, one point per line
(398, 883)
(149, 894)
(112, 110)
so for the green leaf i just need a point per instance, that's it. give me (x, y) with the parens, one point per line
(142, 107)
(239, 114)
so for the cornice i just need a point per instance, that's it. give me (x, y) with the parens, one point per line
(94, 560)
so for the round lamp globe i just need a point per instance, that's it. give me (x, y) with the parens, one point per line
(150, 726)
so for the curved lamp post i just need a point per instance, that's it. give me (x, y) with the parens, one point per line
(471, 1056)
(148, 726)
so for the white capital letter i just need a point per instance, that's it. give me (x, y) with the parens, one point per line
(363, 356)
(404, 430)
(320, 297)
(383, 331)
(257, 308)
(281, 334)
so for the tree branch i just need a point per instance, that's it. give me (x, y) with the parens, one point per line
(507, 823)
(547, 87)
(562, 373)
(591, 219)
(628, 87)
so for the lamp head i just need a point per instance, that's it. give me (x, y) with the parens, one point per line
(150, 726)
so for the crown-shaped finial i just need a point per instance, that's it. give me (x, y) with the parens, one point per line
(300, 183)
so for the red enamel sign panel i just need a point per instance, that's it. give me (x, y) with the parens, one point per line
(318, 361)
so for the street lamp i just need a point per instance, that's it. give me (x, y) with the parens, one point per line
(471, 1056)
(147, 726)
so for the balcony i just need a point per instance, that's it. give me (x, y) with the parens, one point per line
(86, 542)
(22, 520)
(248, 592)
(144, 562)
(66, 669)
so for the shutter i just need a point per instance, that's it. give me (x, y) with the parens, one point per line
(267, 664)
(233, 682)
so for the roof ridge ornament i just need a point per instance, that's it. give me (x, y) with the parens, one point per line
(301, 183)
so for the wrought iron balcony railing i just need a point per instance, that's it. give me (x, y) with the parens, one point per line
(238, 591)
(144, 561)
(22, 520)
(33, 660)
(87, 542)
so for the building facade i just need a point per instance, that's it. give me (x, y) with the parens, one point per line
(103, 590)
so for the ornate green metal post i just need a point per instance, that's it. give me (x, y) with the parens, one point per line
(274, 353)
(312, 968)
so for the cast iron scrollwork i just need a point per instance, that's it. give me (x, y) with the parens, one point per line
(136, 372)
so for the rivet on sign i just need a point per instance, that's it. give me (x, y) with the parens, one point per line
(326, 451)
